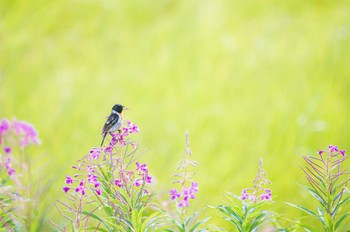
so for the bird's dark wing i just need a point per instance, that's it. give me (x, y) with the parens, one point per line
(112, 119)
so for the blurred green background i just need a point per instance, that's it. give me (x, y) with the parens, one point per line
(247, 79)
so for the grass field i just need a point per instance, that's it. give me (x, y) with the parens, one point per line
(247, 79)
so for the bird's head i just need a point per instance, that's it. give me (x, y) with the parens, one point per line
(118, 108)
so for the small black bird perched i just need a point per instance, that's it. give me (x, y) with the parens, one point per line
(114, 121)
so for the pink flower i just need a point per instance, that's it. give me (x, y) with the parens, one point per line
(148, 179)
(7, 150)
(66, 189)
(118, 183)
(138, 182)
(141, 167)
(69, 180)
(95, 153)
(26, 133)
(174, 194)
(81, 188)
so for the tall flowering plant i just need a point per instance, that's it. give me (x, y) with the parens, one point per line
(182, 196)
(16, 208)
(109, 178)
(246, 212)
(327, 184)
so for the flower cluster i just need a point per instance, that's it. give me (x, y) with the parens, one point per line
(185, 195)
(258, 193)
(4, 128)
(89, 165)
(136, 177)
(120, 137)
(11, 131)
(91, 178)
(250, 194)
(25, 132)
(9, 169)
(333, 150)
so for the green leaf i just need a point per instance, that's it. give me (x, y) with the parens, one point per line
(338, 223)
(259, 219)
(311, 213)
(233, 218)
(97, 218)
(315, 194)
(189, 219)
(231, 213)
(344, 202)
(198, 224)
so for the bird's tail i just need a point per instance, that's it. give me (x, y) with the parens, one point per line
(103, 139)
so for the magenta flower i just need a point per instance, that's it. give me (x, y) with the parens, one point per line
(66, 189)
(95, 153)
(4, 126)
(184, 203)
(132, 128)
(118, 183)
(10, 170)
(26, 132)
(69, 180)
(148, 179)
(194, 187)
(98, 191)
(333, 148)
(141, 167)
(7, 150)
(174, 194)
(138, 182)
(342, 152)
(81, 188)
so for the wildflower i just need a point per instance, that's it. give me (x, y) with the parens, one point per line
(174, 194)
(138, 182)
(148, 179)
(26, 132)
(10, 170)
(66, 189)
(194, 187)
(332, 148)
(98, 192)
(4, 126)
(141, 167)
(81, 188)
(184, 203)
(132, 128)
(95, 153)
(342, 152)
(258, 192)
(7, 150)
(69, 180)
(118, 183)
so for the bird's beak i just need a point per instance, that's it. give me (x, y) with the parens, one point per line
(125, 108)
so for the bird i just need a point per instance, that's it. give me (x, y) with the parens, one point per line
(114, 121)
